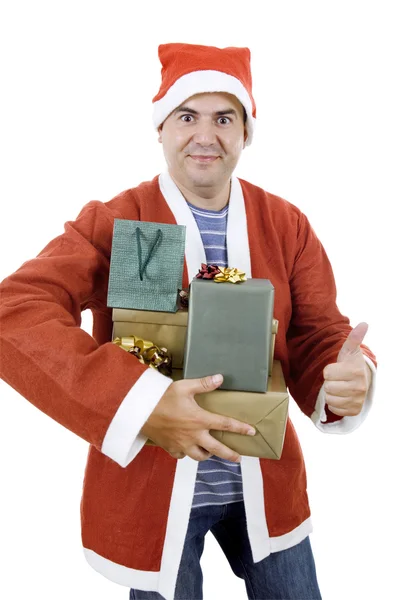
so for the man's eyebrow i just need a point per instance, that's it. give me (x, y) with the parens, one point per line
(219, 113)
(185, 109)
(228, 111)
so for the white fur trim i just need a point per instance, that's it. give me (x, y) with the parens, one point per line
(199, 82)
(141, 580)
(123, 441)
(253, 496)
(237, 236)
(346, 424)
(177, 524)
(290, 539)
(194, 250)
(262, 545)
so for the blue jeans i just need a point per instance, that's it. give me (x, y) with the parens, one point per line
(285, 575)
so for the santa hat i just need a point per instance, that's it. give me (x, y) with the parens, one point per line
(189, 69)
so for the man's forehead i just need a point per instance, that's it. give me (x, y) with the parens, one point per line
(211, 101)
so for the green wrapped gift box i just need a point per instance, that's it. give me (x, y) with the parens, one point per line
(230, 332)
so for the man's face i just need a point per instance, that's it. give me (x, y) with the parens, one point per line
(202, 141)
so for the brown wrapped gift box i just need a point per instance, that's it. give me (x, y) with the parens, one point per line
(167, 330)
(266, 412)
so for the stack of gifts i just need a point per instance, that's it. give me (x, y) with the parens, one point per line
(223, 324)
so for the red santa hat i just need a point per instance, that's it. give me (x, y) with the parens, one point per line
(189, 69)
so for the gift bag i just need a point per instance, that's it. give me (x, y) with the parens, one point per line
(146, 266)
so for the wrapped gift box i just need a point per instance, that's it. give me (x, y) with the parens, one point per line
(166, 330)
(266, 412)
(230, 332)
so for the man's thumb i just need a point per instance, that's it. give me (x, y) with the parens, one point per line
(207, 384)
(352, 344)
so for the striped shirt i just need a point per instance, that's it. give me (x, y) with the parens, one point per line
(218, 481)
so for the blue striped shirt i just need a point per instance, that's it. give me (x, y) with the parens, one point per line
(218, 481)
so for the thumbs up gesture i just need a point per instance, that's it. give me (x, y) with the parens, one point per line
(347, 381)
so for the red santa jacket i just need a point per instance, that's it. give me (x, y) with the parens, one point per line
(136, 499)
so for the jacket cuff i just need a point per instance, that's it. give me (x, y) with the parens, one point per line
(123, 440)
(345, 424)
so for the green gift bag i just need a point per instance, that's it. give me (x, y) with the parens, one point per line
(146, 265)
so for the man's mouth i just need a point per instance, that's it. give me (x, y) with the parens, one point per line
(203, 158)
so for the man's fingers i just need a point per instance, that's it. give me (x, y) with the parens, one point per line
(177, 454)
(346, 388)
(341, 412)
(222, 423)
(341, 371)
(216, 448)
(352, 344)
(198, 453)
(344, 406)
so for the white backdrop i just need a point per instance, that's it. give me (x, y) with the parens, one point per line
(77, 82)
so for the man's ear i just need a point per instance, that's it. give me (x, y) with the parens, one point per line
(246, 135)
(160, 134)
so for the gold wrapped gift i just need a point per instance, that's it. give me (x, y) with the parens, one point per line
(146, 352)
(266, 412)
(164, 329)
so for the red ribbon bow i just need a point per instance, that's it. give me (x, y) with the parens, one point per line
(207, 271)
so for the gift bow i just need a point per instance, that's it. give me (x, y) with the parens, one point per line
(147, 353)
(221, 274)
(230, 275)
(208, 271)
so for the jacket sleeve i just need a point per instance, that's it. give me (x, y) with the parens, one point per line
(316, 333)
(100, 392)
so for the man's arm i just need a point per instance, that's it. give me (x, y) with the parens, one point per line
(52, 362)
(317, 331)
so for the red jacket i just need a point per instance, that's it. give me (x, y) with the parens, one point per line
(136, 499)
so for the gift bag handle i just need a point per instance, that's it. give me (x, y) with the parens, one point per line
(156, 243)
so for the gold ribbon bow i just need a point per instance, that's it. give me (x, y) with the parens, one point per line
(147, 353)
(230, 275)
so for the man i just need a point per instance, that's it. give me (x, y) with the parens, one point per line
(146, 509)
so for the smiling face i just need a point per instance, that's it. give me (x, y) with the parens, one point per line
(202, 141)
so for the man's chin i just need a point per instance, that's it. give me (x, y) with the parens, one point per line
(202, 182)
(203, 177)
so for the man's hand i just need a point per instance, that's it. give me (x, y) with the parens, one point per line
(182, 428)
(347, 381)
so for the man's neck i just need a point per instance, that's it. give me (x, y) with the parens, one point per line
(217, 200)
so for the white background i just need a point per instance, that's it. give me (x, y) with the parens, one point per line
(77, 82)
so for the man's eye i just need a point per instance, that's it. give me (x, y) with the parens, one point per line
(224, 120)
(187, 118)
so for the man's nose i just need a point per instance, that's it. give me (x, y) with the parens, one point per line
(205, 133)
